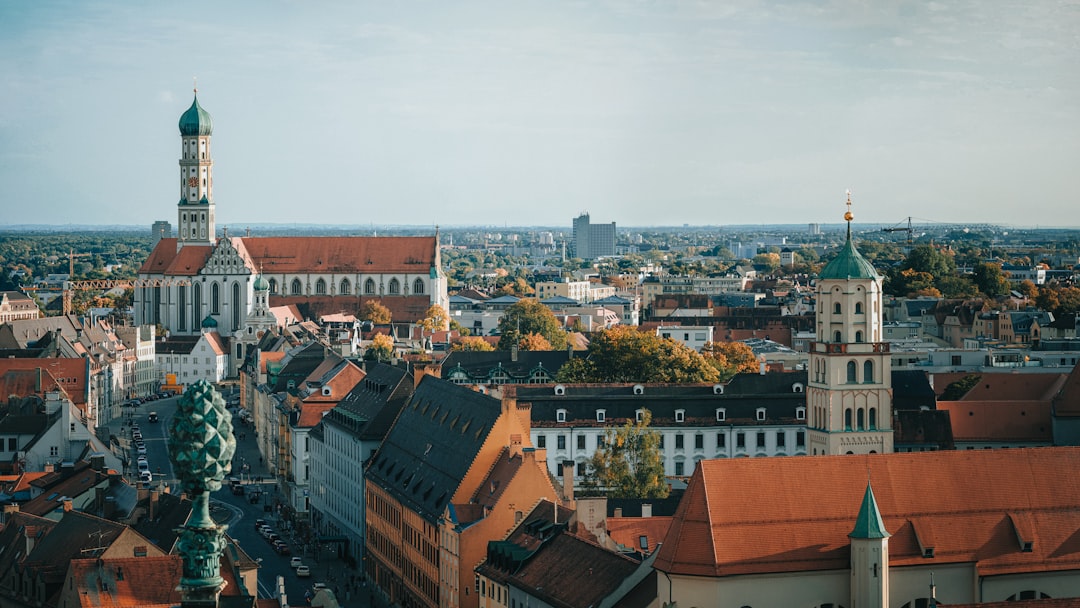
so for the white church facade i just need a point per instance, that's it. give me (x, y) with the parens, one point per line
(196, 274)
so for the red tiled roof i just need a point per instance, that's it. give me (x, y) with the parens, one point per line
(790, 514)
(312, 413)
(1027, 421)
(1067, 401)
(70, 374)
(1005, 386)
(348, 254)
(166, 260)
(627, 531)
(125, 581)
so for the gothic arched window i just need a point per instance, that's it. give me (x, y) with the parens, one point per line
(344, 288)
(395, 287)
(236, 306)
(196, 301)
(320, 287)
(868, 372)
(273, 286)
(296, 288)
(215, 299)
(418, 287)
(369, 286)
(851, 372)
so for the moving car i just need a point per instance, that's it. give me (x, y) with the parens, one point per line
(303, 571)
(152, 417)
(296, 562)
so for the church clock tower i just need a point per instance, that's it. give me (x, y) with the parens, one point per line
(849, 397)
(195, 211)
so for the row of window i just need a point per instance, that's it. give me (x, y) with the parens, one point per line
(296, 287)
(680, 440)
(760, 414)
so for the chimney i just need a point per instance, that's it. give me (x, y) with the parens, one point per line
(152, 504)
(30, 534)
(646, 510)
(97, 462)
(568, 480)
(67, 505)
(514, 352)
(9, 510)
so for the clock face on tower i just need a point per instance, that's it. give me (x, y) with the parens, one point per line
(193, 182)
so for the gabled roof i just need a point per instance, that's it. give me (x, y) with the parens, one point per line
(480, 364)
(1067, 401)
(432, 445)
(747, 516)
(415, 255)
(14, 534)
(166, 260)
(121, 582)
(634, 532)
(1001, 421)
(372, 405)
(571, 571)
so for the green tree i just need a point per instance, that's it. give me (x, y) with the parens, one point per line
(629, 464)
(624, 354)
(906, 282)
(375, 312)
(380, 349)
(928, 259)
(730, 358)
(990, 279)
(770, 262)
(534, 342)
(530, 317)
(957, 287)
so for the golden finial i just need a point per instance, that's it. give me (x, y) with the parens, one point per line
(848, 215)
(195, 84)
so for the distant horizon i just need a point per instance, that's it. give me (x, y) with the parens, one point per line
(485, 113)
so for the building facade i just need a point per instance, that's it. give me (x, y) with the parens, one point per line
(592, 241)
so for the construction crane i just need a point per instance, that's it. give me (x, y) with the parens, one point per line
(70, 287)
(71, 262)
(909, 230)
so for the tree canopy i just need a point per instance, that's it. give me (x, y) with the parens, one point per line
(435, 319)
(380, 349)
(624, 354)
(990, 279)
(530, 317)
(629, 463)
(472, 343)
(730, 358)
(375, 312)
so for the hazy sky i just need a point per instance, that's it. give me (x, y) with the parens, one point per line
(651, 112)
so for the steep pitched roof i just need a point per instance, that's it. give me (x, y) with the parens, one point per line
(166, 260)
(571, 571)
(372, 405)
(123, 582)
(1067, 400)
(991, 420)
(432, 445)
(747, 516)
(354, 254)
(868, 522)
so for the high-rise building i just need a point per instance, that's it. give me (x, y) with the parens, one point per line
(592, 241)
(161, 230)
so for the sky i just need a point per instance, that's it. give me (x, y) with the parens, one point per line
(523, 113)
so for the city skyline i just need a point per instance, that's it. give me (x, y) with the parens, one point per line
(485, 114)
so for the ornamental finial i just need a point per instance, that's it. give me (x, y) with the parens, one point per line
(195, 84)
(848, 215)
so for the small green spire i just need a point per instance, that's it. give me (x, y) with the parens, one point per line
(868, 523)
(849, 263)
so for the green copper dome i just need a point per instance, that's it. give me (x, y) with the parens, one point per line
(196, 121)
(849, 264)
(209, 322)
(261, 284)
(868, 523)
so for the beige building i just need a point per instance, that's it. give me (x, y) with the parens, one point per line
(15, 306)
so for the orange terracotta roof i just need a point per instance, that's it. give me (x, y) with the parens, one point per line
(790, 514)
(348, 254)
(1027, 421)
(1067, 401)
(264, 357)
(1004, 386)
(627, 531)
(312, 413)
(122, 583)
(166, 260)
(69, 373)
(402, 308)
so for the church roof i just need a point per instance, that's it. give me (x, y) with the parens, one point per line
(196, 121)
(849, 264)
(353, 254)
(868, 523)
(749, 515)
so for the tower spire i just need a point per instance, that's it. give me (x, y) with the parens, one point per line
(848, 216)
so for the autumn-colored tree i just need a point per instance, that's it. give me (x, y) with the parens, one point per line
(516, 287)
(907, 282)
(472, 343)
(375, 312)
(530, 317)
(381, 348)
(1028, 289)
(624, 354)
(730, 358)
(629, 463)
(534, 342)
(435, 319)
(770, 262)
(1059, 300)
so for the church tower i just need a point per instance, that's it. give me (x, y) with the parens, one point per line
(869, 556)
(195, 211)
(849, 398)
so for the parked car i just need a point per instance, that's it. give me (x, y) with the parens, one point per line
(303, 571)
(273, 537)
(143, 465)
(141, 448)
(281, 547)
(152, 417)
(259, 523)
(146, 477)
(296, 562)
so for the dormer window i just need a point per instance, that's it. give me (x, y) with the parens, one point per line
(721, 414)
(639, 415)
(639, 389)
(601, 415)
(760, 414)
(718, 389)
(326, 391)
(680, 415)
(560, 415)
(560, 389)
(797, 387)
(800, 413)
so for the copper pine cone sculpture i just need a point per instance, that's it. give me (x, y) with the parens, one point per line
(201, 444)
